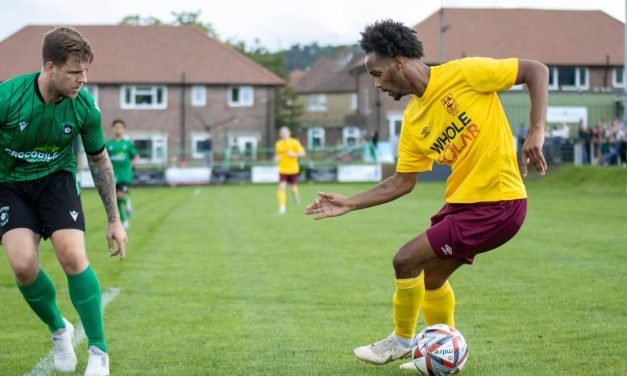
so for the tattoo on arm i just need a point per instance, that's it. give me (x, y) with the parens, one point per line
(102, 173)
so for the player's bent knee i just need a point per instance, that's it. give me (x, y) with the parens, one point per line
(25, 273)
(405, 266)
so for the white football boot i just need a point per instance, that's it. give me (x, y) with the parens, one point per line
(97, 363)
(281, 209)
(64, 356)
(410, 366)
(386, 350)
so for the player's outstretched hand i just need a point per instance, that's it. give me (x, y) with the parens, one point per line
(532, 153)
(117, 234)
(328, 205)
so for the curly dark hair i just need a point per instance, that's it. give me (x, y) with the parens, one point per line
(388, 38)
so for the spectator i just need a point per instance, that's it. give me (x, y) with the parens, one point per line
(585, 138)
(597, 134)
(207, 149)
(521, 135)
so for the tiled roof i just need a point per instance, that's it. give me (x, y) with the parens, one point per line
(329, 75)
(556, 37)
(143, 54)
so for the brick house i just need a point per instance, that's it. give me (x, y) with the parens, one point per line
(170, 84)
(583, 50)
(328, 93)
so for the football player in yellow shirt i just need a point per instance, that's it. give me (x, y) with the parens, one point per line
(288, 150)
(454, 118)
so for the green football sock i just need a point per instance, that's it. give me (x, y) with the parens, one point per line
(85, 295)
(41, 297)
(122, 210)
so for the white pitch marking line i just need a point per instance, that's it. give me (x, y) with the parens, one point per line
(46, 365)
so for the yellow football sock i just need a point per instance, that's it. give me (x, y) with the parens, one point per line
(281, 197)
(438, 306)
(406, 305)
(295, 192)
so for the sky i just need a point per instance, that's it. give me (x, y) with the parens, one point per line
(276, 24)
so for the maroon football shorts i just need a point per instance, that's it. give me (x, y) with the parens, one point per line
(288, 178)
(461, 231)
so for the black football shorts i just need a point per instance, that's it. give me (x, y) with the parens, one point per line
(43, 205)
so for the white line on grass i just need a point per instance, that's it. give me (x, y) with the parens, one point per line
(46, 365)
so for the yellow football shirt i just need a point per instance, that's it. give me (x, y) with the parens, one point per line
(459, 122)
(288, 165)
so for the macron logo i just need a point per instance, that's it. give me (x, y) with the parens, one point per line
(74, 215)
(447, 250)
(22, 125)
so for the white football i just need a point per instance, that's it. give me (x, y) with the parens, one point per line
(438, 350)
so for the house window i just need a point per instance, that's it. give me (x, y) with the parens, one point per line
(317, 102)
(350, 136)
(572, 78)
(315, 138)
(354, 101)
(93, 90)
(199, 96)
(618, 80)
(553, 78)
(152, 147)
(395, 123)
(240, 96)
(139, 97)
(198, 144)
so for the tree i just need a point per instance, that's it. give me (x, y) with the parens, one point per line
(272, 61)
(136, 19)
(288, 109)
(193, 19)
(182, 18)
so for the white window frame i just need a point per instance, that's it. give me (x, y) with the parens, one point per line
(159, 140)
(615, 77)
(198, 96)
(93, 90)
(394, 118)
(578, 84)
(140, 90)
(553, 72)
(246, 94)
(197, 137)
(351, 132)
(315, 132)
(354, 101)
(316, 102)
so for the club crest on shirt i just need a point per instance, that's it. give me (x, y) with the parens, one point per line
(67, 128)
(450, 104)
(4, 215)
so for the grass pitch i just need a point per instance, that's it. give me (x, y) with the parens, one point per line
(216, 283)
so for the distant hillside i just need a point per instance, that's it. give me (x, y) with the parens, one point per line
(300, 57)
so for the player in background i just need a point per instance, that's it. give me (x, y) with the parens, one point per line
(124, 158)
(455, 118)
(288, 150)
(40, 115)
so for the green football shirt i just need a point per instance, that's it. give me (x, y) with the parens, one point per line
(122, 153)
(36, 137)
